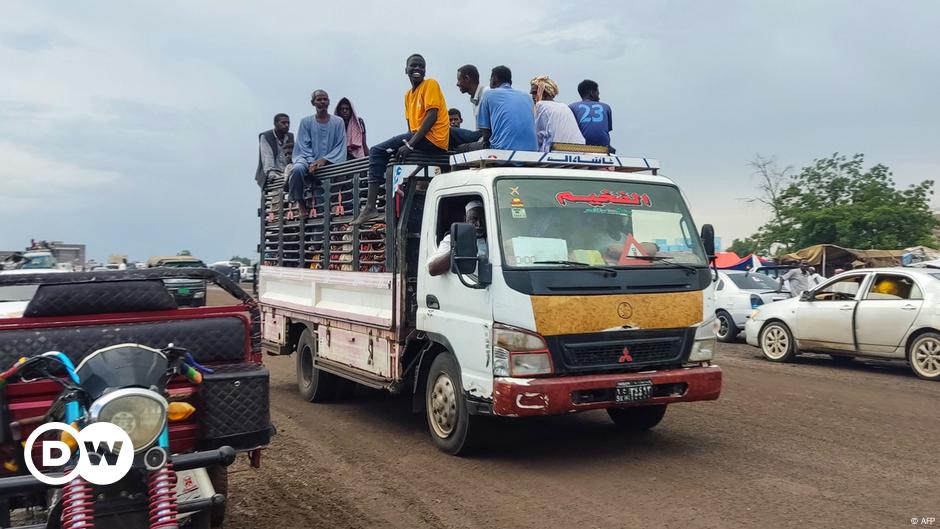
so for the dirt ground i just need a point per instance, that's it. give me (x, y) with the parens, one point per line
(809, 444)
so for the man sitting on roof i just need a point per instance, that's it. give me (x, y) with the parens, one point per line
(506, 118)
(321, 140)
(428, 126)
(554, 121)
(594, 118)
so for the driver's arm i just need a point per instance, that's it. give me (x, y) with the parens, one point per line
(439, 263)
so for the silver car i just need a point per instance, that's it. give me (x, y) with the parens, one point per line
(886, 313)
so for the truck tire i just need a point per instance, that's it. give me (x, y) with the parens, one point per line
(638, 419)
(727, 330)
(218, 475)
(446, 406)
(314, 385)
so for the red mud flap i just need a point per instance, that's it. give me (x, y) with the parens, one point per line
(515, 397)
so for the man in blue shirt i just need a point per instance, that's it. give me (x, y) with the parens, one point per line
(593, 117)
(506, 119)
(321, 140)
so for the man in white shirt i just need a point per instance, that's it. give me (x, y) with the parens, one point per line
(798, 279)
(439, 263)
(554, 121)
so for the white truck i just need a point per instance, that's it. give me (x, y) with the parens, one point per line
(590, 289)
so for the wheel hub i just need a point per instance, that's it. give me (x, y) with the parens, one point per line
(927, 357)
(442, 406)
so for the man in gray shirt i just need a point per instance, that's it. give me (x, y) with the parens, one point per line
(272, 155)
(798, 279)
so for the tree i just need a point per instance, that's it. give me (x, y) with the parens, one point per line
(837, 201)
(243, 260)
(745, 246)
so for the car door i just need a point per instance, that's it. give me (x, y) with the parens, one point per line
(886, 312)
(825, 319)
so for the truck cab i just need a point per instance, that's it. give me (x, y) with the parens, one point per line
(581, 289)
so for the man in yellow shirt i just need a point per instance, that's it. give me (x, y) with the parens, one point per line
(428, 126)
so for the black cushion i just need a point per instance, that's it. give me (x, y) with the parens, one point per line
(100, 298)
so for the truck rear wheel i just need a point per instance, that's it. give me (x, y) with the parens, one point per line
(638, 419)
(446, 406)
(314, 384)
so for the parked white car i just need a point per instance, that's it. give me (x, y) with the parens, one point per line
(737, 294)
(887, 313)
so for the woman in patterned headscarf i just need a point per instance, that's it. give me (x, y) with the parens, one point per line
(355, 130)
(554, 121)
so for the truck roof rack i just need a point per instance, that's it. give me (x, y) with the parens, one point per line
(553, 159)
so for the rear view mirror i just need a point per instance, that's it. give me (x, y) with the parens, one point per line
(708, 240)
(463, 240)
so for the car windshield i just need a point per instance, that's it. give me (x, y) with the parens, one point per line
(39, 262)
(183, 264)
(754, 281)
(594, 222)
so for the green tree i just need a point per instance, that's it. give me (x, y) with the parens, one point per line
(243, 260)
(837, 201)
(745, 246)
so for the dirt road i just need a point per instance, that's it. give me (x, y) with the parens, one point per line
(811, 444)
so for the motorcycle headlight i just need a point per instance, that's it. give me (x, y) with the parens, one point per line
(139, 412)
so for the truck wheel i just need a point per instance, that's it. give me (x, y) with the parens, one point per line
(314, 384)
(727, 330)
(638, 419)
(446, 406)
(776, 342)
(218, 475)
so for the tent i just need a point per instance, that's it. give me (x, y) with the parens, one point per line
(828, 257)
(731, 261)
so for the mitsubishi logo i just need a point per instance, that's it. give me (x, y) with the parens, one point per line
(625, 355)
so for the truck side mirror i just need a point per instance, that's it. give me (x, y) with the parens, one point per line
(463, 247)
(708, 240)
(463, 256)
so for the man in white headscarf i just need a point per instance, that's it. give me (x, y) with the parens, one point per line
(554, 121)
(439, 263)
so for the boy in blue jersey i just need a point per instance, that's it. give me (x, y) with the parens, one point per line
(506, 119)
(594, 118)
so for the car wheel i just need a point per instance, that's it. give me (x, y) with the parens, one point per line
(727, 330)
(776, 342)
(924, 356)
(638, 419)
(446, 406)
(314, 384)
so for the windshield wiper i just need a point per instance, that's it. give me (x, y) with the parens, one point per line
(611, 271)
(666, 260)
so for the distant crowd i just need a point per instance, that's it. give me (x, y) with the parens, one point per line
(505, 119)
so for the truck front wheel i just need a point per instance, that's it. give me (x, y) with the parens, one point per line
(314, 385)
(446, 406)
(638, 419)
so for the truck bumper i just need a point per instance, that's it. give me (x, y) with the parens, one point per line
(518, 397)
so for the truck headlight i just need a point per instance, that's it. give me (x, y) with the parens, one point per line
(705, 343)
(519, 353)
(139, 412)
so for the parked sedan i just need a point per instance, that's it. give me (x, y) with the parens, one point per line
(737, 293)
(886, 313)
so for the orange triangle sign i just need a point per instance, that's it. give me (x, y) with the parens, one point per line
(631, 248)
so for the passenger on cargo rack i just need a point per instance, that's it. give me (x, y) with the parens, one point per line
(439, 263)
(554, 121)
(428, 132)
(321, 140)
(272, 157)
(506, 118)
(355, 129)
(594, 118)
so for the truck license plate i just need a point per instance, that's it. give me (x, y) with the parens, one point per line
(634, 390)
(183, 291)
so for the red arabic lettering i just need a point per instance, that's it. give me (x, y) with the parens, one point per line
(605, 197)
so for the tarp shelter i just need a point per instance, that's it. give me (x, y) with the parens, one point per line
(731, 261)
(827, 257)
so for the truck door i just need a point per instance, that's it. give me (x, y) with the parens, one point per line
(456, 315)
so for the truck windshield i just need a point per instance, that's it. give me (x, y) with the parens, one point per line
(38, 262)
(545, 222)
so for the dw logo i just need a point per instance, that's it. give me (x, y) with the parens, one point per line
(105, 453)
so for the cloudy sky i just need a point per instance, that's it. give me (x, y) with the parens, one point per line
(132, 126)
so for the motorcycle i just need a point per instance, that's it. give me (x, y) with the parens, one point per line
(125, 385)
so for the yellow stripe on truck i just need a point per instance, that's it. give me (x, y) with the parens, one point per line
(556, 315)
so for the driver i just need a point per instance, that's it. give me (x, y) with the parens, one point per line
(439, 263)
